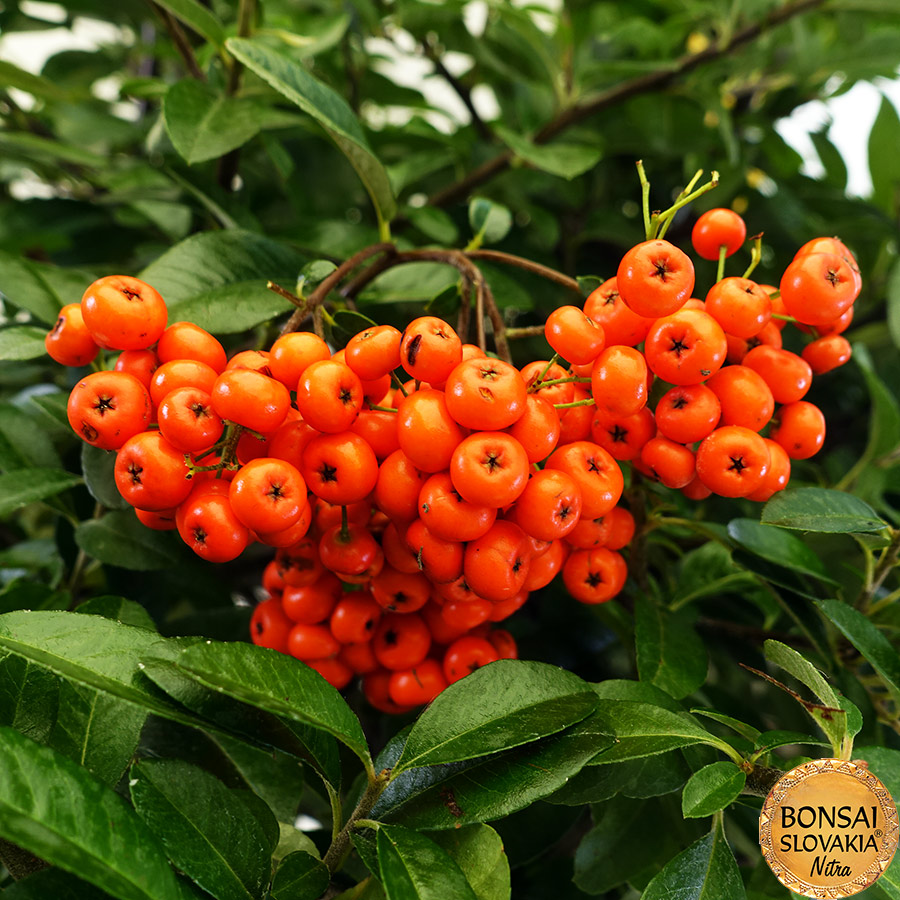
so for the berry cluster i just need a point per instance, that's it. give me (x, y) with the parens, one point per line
(410, 516)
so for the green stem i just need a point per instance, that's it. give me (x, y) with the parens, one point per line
(886, 562)
(545, 370)
(755, 254)
(390, 409)
(685, 191)
(340, 846)
(667, 215)
(720, 271)
(588, 402)
(645, 197)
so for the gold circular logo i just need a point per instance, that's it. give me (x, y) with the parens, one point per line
(828, 829)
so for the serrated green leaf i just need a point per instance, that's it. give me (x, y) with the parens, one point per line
(207, 830)
(712, 788)
(119, 609)
(803, 670)
(558, 158)
(119, 539)
(500, 706)
(232, 308)
(300, 876)
(769, 740)
(490, 221)
(822, 510)
(413, 867)
(705, 871)
(670, 654)
(196, 16)
(641, 729)
(276, 683)
(24, 486)
(487, 788)
(43, 795)
(749, 732)
(329, 109)
(22, 342)
(777, 546)
(478, 851)
(868, 640)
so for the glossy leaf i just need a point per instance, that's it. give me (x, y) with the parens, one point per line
(478, 851)
(558, 158)
(276, 683)
(55, 809)
(300, 876)
(20, 342)
(777, 546)
(329, 109)
(232, 308)
(119, 539)
(640, 729)
(37, 287)
(769, 740)
(705, 871)
(23, 443)
(207, 830)
(712, 788)
(500, 706)
(821, 509)
(670, 654)
(118, 608)
(868, 640)
(482, 790)
(24, 486)
(413, 867)
(97, 466)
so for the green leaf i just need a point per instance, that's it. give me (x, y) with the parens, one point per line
(232, 308)
(300, 877)
(641, 729)
(56, 810)
(883, 763)
(47, 149)
(314, 272)
(413, 867)
(329, 109)
(777, 546)
(97, 730)
(749, 732)
(98, 467)
(276, 683)
(434, 223)
(769, 740)
(207, 830)
(22, 342)
(705, 871)
(211, 259)
(24, 486)
(13, 76)
(196, 16)
(712, 788)
(204, 124)
(670, 654)
(118, 608)
(884, 419)
(502, 705)
(892, 292)
(883, 161)
(651, 776)
(40, 288)
(628, 837)
(53, 883)
(23, 443)
(636, 691)
(488, 788)
(822, 510)
(478, 851)
(490, 221)
(868, 640)
(119, 539)
(29, 697)
(249, 723)
(803, 670)
(566, 160)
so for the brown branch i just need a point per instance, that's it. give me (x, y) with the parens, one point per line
(524, 332)
(528, 265)
(642, 84)
(181, 42)
(498, 325)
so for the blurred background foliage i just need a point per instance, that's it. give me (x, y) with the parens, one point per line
(146, 147)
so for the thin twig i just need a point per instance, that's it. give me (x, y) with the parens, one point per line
(886, 562)
(284, 292)
(181, 42)
(528, 265)
(643, 84)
